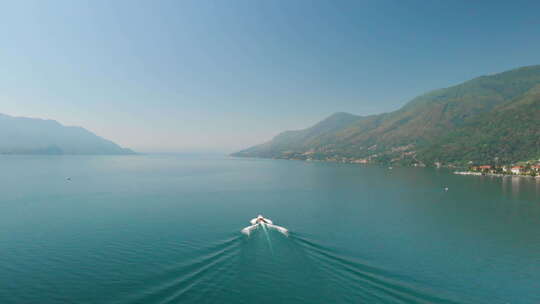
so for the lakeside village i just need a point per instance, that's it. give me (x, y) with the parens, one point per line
(527, 169)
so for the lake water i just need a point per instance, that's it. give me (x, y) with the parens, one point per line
(166, 229)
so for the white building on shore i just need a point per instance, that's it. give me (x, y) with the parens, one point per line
(517, 169)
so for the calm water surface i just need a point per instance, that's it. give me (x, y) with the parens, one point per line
(166, 229)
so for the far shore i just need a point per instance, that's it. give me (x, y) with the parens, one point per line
(493, 174)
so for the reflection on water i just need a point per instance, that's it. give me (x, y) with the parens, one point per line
(520, 187)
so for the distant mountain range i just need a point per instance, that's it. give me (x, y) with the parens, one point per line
(19, 135)
(488, 119)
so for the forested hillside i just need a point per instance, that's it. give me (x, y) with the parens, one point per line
(479, 120)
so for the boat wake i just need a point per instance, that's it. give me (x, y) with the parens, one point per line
(293, 269)
(361, 282)
(187, 280)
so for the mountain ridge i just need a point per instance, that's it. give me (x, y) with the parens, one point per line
(24, 135)
(411, 134)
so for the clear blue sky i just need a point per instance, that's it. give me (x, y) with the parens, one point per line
(223, 75)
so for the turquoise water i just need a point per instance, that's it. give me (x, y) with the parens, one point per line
(166, 229)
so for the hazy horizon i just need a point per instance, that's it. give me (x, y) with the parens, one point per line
(217, 76)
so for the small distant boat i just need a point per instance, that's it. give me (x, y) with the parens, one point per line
(445, 188)
(68, 178)
(264, 222)
(390, 168)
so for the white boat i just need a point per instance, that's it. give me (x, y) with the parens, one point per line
(261, 221)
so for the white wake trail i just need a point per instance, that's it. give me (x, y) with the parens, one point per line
(248, 229)
(280, 229)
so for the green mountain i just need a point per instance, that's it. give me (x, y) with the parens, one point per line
(432, 127)
(508, 133)
(20, 135)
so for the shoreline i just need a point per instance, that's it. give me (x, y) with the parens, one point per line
(494, 174)
(418, 165)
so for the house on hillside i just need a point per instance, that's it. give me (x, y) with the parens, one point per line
(517, 169)
(484, 168)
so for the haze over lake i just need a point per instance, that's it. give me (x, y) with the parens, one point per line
(166, 229)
